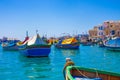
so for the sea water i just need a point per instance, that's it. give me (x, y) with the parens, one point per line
(14, 66)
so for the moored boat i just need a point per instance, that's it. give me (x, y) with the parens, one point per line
(35, 47)
(72, 72)
(10, 46)
(101, 44)
(25, 40)
(69, 43)
(82, 73)
(113, 44)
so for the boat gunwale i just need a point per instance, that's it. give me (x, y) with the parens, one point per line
(90, 70)
(36, 46)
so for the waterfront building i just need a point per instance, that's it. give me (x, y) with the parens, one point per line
(106, 29)
(101, 33)
(117, 28)
(93, 32)
(112, 29)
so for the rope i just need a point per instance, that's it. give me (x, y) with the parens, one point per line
(97, 76)
(81, 73)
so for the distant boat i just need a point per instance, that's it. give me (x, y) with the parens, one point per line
(101, 44)
(82, 73)
(10, 46)
(35, 47)
(113, 44)
(69, 43)
(87, 43)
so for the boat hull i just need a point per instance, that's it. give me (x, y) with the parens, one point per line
(113, 44)
(36, 52)
(101, 45)
(68, 46)
(113, 48)
(10, 48)
(15, 48)
(80, 73)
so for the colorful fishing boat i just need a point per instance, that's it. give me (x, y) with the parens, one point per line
(35, 47)
(81, 73)
(13, 45)
(25, 40)
(69, 43)
(10, 46)
(113, 44)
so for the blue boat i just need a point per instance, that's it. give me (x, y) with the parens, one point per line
(10, 46)
(35, 47)
(69, 43)
(113, 44)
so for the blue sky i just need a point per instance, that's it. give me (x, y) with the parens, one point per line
(54, 17)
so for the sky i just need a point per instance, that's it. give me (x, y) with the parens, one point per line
(54, 17)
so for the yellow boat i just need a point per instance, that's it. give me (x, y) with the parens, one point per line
(69, 43)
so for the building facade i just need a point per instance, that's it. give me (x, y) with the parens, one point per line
(106, 29)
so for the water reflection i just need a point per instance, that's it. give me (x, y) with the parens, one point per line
(67, 52)
(36, 67)
(112, 54)
(35, 60)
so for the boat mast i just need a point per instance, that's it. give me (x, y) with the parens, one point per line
(26, 33)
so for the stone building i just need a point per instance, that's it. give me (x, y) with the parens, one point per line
(112, 28)
(93, 32)
(107, 29)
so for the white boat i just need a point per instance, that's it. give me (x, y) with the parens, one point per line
(35, 47)
(113, 44)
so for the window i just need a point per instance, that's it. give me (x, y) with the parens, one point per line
(112, 32)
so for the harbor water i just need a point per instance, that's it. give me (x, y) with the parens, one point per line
(14, 66)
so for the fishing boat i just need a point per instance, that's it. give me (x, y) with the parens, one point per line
(35, 47)
(10, 46)
(25, 40)
(82, 73)
(87, 43)
(13, 45)
(69, 43)
(113, 44)
(101, 44)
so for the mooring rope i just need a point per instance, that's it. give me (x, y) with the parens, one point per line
(97, 76)
(80, 72)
